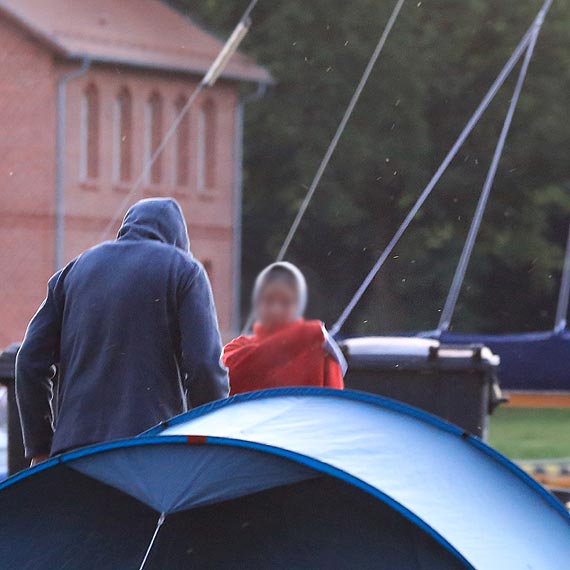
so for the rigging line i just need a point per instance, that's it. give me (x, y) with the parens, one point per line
(489, 96)
(249, 10)
(335, 140)
(459, 277)
(159, 523)
(564, 295)
(208, 80)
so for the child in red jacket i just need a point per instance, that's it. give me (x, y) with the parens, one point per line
(284, 350)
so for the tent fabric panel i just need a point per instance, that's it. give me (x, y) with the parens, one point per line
(174, 476)
(346, 478)
(318, 523)
(277, 395)
(59, 519)
(464, 493)
(306, 468)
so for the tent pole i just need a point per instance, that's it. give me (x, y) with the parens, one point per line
(159, 523)
(564, 294)
(458, 278)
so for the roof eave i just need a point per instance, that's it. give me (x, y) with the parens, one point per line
(36, 32)
(52, 42)
(264, 78)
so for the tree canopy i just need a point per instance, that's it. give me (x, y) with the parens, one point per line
(439, 61)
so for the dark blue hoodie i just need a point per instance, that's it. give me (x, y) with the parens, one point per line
(132, 329)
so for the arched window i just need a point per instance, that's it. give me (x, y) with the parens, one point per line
(154, 136)
(123, 136)
(206, 160)
(89, 136)
(182, 148)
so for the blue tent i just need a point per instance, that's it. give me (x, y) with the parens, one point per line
(291, 478)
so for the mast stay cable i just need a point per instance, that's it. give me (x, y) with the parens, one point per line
(335, 140)
(487, 99)
(459, 276)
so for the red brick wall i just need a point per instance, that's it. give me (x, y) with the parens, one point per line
(27, 162)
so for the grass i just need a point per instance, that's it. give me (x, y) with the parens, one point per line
(531, 433)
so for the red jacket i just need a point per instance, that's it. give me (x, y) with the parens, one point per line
(291, 356)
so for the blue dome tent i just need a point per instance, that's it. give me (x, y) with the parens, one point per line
(291, 478)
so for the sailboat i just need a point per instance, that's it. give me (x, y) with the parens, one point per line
(535, 361)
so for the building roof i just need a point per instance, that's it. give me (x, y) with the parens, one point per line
(141, 33)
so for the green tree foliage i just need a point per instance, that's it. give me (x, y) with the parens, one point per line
(439, 61)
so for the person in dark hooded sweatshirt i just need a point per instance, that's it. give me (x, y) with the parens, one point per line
(132, 329)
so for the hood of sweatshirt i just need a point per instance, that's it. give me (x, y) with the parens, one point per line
(158, 219)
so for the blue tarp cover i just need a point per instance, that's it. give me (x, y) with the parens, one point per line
(537, 361)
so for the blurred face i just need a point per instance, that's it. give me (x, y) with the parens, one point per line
(277, 304)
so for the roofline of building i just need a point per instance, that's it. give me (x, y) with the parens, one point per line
(189, 70)
(54, 44)
(198, 23)
(32, 29)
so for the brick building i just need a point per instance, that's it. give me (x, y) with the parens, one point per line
(112, 75)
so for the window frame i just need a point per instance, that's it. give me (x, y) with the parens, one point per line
(90, 134)
(123, 137)
(154, 131)
(182, 146)
(206, 153)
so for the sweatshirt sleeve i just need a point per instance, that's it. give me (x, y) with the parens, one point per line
(34, 372)
(201, 345)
